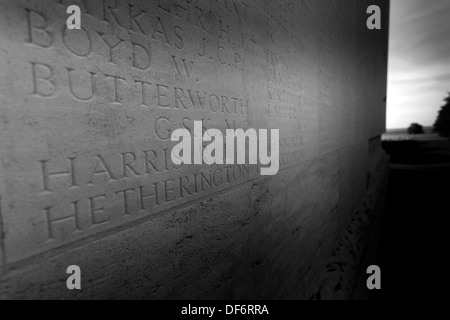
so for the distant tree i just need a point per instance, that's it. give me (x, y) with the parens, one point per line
(415, 128)
(442, 124)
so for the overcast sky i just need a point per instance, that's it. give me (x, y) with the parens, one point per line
(419, 61)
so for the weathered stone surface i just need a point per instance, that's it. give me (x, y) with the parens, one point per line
(345, 276)
(86, 115)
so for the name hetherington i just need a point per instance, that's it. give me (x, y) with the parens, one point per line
(81, 192)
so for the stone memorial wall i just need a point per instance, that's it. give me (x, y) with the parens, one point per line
(86, 116)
